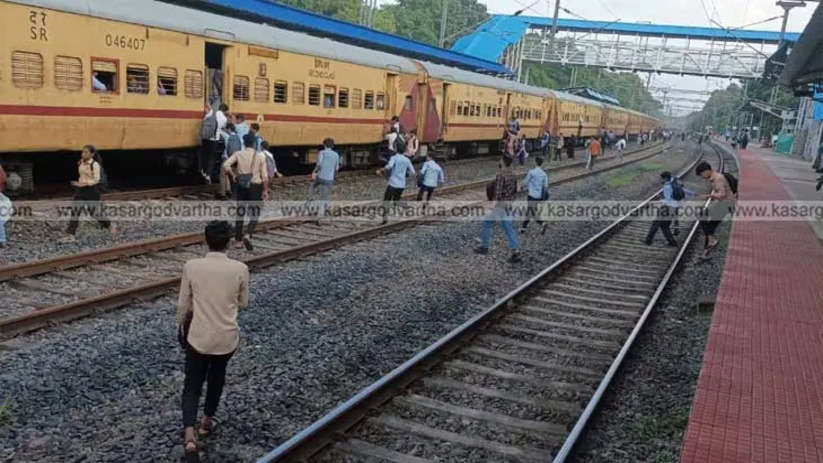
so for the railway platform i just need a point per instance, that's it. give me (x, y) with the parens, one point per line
(758, 395)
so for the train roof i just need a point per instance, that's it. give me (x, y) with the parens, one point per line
(448, 73)
(577, 99)
(176, 18)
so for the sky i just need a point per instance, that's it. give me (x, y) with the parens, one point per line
(729, 13)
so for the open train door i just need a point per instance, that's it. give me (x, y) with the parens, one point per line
(216, 75)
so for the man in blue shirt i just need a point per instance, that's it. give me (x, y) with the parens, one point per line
(328, 163)
(399, 167)
(537, 187)
(241, 128)
(431, 176)
(668, 209)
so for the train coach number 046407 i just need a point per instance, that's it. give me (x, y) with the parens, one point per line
(121, 41)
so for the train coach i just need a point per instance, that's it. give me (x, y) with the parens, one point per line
(136, 75)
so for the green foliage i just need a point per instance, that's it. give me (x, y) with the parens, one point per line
(347, 10)
(420, 19)
(723, 109)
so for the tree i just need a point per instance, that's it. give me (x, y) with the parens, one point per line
(420, 19)
(346, 10)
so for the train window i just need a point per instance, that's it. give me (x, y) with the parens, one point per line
(477, 112)
(68, 73)
(137, 78)
(368, 102)
(27, 69)
(329, 96)
(343, 98)
(381, 101)
(281, 91)
(261, 90)
(298, 93)
(193, 84)
(459, 108)
(103, 75)
(314, 95)
(453, 108)
(240, 89)
(357, 99)
(166, 81)
(408, 104)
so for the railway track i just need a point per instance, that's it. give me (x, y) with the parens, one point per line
(54, 290)
(519, 381)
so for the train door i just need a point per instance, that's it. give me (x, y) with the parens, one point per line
(444, 111)
(393, 95)
(215, 73)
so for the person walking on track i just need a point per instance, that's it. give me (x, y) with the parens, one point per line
(328, 163)
(87, 193)
(673, 193)
(558, 148)
(723, 195)
(398, 168)
(537, 187)
(592, 152)
(249, 187)
(502, 190)
(431, 176)
(212, 290)
(570, 144)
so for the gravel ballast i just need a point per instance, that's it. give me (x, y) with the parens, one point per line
(317, 331)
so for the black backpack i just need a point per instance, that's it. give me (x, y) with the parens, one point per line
(103, 184)
(677, 190)
(732, 181)
(400, 144)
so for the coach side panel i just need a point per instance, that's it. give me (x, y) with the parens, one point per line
(47, 59)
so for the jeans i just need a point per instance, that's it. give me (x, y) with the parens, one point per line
(589, 161)
(663, 222)
(425, 189)
(90, 196)
(504, 216)
(391, 194)
(558, 153)
(532, 211)
(3, 200)
(246, 199)
(323, 188)
(209, 153)
(199, 368)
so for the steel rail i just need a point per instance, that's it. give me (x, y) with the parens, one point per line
(318, 434)
(42, 266)
(13, 326)
(591, 406)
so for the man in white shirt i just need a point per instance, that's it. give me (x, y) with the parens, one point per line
(399, 167)
(212, 144)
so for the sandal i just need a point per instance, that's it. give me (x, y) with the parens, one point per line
(206, 431)
(190, 451)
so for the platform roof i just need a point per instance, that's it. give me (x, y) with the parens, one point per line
(490, 40)
(805, 62)
(315, 24)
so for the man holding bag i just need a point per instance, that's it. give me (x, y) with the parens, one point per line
(212, 290)
(249, 187)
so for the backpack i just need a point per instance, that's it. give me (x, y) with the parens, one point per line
(103, 184)
(270, 165)
(233, 144)
(209, 126)
(677, 190)
(732, 181)
(400, 144)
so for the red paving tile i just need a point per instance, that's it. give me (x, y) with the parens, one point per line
(759, 396)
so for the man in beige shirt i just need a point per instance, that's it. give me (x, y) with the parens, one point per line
(213, 289)
(249, 186)
(87, 193)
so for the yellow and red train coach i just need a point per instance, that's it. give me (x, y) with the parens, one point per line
(137, 75)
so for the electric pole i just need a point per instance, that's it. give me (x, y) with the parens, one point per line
(445, 7)
(787, 6)
(554, 21)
